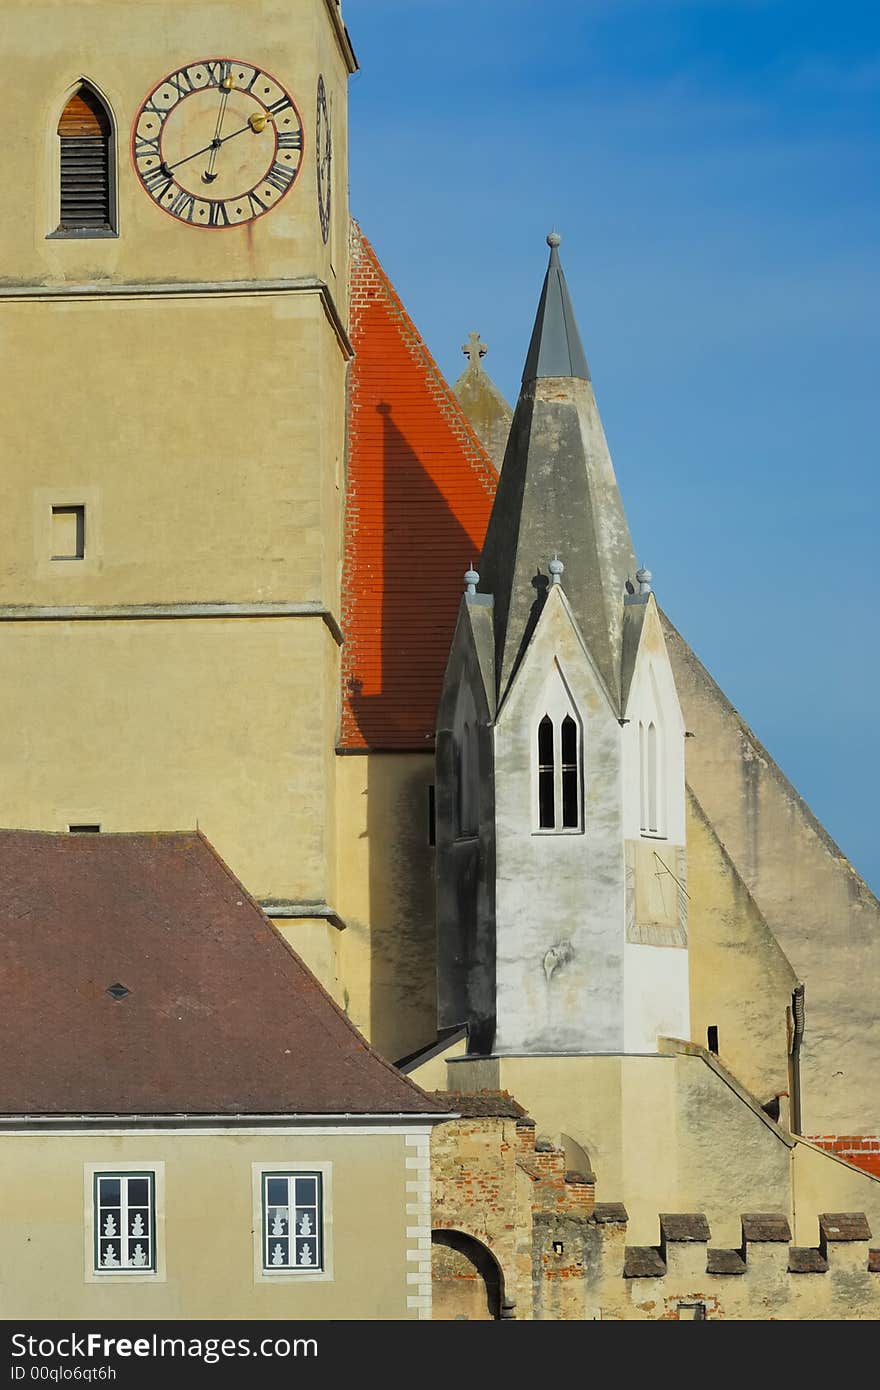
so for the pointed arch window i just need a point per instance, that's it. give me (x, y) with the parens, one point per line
(559, 763)
(651, 788)
(86, 166)
(468, 783)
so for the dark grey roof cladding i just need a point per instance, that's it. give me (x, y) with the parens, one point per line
(555, 348)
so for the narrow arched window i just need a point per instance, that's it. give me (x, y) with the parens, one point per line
(85, 132)
(650, 779)
(468, 782)
(559, 763)
(570, 795)
(546, 775)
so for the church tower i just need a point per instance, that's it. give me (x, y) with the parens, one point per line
(174, 345)
(562, 899)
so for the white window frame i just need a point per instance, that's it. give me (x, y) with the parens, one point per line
(556, 704)
(125, 1274)
(281, 1168)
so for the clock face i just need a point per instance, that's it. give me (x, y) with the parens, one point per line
(324, 157)
(218, 143)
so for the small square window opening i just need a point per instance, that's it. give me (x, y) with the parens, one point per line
(68, 533)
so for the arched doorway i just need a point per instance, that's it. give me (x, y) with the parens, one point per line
(467, 1282)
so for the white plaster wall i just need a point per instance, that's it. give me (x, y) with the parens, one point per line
(561, 892)
(655, 992)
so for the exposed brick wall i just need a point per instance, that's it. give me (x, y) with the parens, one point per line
(862, 1150)
(493, 1183)
(418, 496)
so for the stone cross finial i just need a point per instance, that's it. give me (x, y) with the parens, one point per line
(474, 349)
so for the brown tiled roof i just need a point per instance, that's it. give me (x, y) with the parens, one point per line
(844, 1225)
(802, 1260)
(477, 1104)
(643, 1262)
(765, 1226)
(419, 492)
(724, 1262)
(221, 1016)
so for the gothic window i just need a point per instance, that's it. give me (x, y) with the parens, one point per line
(85, 133)
(559, 764)
(468, 782)
(125, 1222)
(293, 1235)
(650, 779)
(546, 775)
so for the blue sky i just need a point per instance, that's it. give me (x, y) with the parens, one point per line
(713, 168)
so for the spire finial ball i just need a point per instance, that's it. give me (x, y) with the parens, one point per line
(554, 240)
(557, 569)
(644, 576)
(471, 580)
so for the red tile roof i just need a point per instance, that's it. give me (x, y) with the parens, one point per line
(221, 1016)
(420, 489)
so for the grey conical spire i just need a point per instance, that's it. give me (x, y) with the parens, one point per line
(557, 495)
(556, 348)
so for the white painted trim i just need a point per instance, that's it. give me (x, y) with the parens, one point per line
(292, 1276)
(422, 1125)
(147, 1165)
(418, 1287)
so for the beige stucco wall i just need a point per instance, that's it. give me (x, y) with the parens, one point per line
(825, 1183)
(385, 895)
(824, 917)
(162, 725)
(765, 1292)
(740, 980)
(125, 48)
(208, 1221)
(664, 1133)
(204, 434)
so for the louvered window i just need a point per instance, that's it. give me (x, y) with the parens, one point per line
(86, 136)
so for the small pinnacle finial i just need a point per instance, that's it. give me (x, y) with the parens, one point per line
(471, 580)
(554, 239)
(474, 349)
(644, 577)
(557, 569)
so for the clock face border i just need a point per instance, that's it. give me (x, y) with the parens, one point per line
(324, 159)
(218, 226)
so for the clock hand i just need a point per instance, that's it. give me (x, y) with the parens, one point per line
(256, 124)
(227, 85)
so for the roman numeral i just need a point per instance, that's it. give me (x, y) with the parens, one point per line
(181, 83)
(290, 140)
(184, 205)
(154, 110)
(282, 104)
(279, 177)
(158, 182)
(216, 72)
(146, 148)
(218, 216)
(256, 203)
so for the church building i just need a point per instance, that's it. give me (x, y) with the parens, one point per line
(389, 647)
